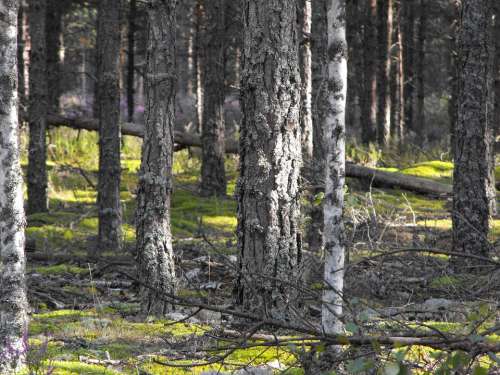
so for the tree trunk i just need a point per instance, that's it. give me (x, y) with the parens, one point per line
(13, 303)
(38, 106)
(155, 256)
(397, 80)
(306, 79)
(408, 58)
(269, 239)
(213, 174)
(453, 72)
(384, 14)
(471, 183)
(132, 15)
(108, 108)
(420, 110)
(369, 96)
(198, 63)
(334, 236)
(320, 108)
(21, 87)
(54, 38)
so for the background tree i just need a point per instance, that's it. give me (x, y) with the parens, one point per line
(270, 158)
(213, 174)
(471, 175)
(13, 304)
(53, 30)
(306, 79)
(408, 8)
(108, 112)
(38, 106)
(132, 15)
(155, 256)
(420, 72)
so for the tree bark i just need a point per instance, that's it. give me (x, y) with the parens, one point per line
(132, 15)
(334, 237)
(155, 256)
(198, 61)
(420, 75)
(213, 174)
(408, 58)
(108, 110)
(306, 79)
(21, 87)
(38, 102)
(453, 72)
(471, 175)
(384, 15)
(269, 239)
(397, 80)
(53, 31)
(13, 302)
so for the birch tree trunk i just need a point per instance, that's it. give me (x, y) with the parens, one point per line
(269, 239)
(38, 106)
(13, 303)
(471, 177)
(306, 78)
(108, 111)
(213, 173)
(335, 169)
(155, 256)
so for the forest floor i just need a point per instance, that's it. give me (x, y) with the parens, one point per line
(85, 317)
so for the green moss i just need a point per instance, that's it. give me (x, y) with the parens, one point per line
(61, 269)
(445, 281)
(79, 368)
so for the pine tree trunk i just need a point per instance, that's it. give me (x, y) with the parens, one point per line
(38, 106)
(384, 15)
(54, 37)
(155, 256)
(471, 183)
(408, 58)
(13, 303)
(369, 95)
(269, 239)
(334, 237)
(420, 110)
(306, 79)
(108, 111)
(132, 15)
(397, 80)
(320, 107)
(198, 62)
(213, 174)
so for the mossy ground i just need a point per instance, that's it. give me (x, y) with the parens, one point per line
(71, 227)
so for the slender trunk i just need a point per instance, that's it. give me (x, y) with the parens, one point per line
(453, 73)
(155, 256)
(198, 62)
(38, 106)
(471, 183)
(420, 81)
(213, 174)
(269, 239)
(495, 94)
(131, 59)
(13, 302)
(384, 14)
(334, 237)
(191, 61)
(108, 110)
(369, 96)
(408, 58)
(21, 88)
(54, 38)
(320, 108)
(306, 79)
(397, 79)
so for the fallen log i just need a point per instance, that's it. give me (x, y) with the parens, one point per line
(184, 140)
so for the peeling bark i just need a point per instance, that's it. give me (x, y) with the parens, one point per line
(155, 256)
(13, 303)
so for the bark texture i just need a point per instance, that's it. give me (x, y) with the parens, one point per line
(108, 113)
(38, 106)
(306, 79)
(471, 177)
(384, 36)
(13, 303)
(213, 174)
(155, 256)
(53, 31)
(408, 8)
(420, 73)
(397, 80)
(334, 237)
(132, 15)
(269, 239)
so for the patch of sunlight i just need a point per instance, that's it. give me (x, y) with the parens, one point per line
(61, 269)
(128, 232)
(445, 224)
(223, 223)
(78, 368)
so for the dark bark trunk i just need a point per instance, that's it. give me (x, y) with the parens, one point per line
(453, 72)
(13, 303)
(471, 176)
(54, 39)
(108, 110)
(420, 75)
(38, 106)
(384, 18)
(306, 79)
(131, 59)
(397, 79)
(213, 174)
(408, 58)
(369, 95)
(154, 239)
(269, 239)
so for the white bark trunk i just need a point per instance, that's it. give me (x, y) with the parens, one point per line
(335, 169)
